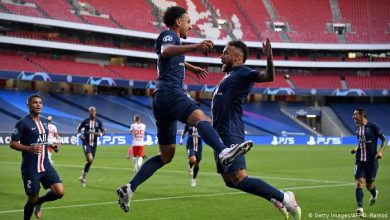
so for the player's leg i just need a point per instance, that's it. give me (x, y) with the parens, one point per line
(49, 154)
(31, 187)
(360, 174)
(141, 155)
(88, 152)
(135, 158)
(372, 170)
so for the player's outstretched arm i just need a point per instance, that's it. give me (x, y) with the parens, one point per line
(269, 74)
(169, 50)
(199, 71)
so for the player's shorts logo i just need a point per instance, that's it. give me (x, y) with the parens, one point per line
(168, 38)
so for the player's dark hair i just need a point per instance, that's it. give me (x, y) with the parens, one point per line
(137, 117)
(33, 96)
(361, 112)
(171, 14)
(240, 45)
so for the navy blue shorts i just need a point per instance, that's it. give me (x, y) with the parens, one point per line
(194, 149)
(168, 108)
(366, 170)
(238, 163)
(89, 149)
(32, 180)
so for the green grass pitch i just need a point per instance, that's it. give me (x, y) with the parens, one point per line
(320, 176)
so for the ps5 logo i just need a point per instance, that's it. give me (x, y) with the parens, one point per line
(282, 140)
(324, 140)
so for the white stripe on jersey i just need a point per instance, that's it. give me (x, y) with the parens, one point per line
(91, 134)
(41, 155)
(362, 137)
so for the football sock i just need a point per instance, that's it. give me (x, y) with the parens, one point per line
(139, 162)
(373, 191)
(359, 197)
(135, 163)
(196, 170)
(86, 167)
(210, 136)
(28, 210)
(49, 196)
(146, 171)
(260, 188)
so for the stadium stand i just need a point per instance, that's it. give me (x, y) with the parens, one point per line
(331, 81)
(19, 9)
(58, 9)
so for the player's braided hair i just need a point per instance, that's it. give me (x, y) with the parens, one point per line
(240, 45)
(171, 14)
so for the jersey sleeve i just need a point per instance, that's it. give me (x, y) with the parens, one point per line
(251, 75)
(168, 37)
(81, 126)
(18, 131)
(379, 132)
(131, 127)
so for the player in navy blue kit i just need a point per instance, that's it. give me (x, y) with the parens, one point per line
(93, 128)
(367, 155)
(227, 102)
(194, 151)
(171, 104)
(30, 137)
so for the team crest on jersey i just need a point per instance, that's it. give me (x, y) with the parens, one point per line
(168, 38)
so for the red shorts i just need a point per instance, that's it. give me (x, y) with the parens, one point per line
(138, 151)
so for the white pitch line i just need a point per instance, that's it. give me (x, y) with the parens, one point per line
(203, 173)
(174, 197)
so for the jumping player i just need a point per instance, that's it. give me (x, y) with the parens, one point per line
(30, 137)
(91, 126)
(171, 104)
(194, 151)
(367, 156)
(137, 130)
(227, 102)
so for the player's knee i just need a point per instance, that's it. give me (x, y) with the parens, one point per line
(370, 186)
(359, 184)
(33, 199)
(167, 158)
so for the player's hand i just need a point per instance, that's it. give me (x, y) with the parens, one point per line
(379, 155)
(353, 151)
(36, 148)
(267, 49)
(205, 46)
(200, 72)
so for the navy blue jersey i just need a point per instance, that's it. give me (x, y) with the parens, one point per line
(227, 102)
(192, 131)
(29, 132)
(367, 141)
(194, 141)
(170, 69)
(91, 130)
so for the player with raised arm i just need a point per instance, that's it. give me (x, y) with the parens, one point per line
(227, 112)
(30, 137)
(367, 156)
(171, 104)
(52, 137)
(93, 128)
(137, 130)
(194, 151)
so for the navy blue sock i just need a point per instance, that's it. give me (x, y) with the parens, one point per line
(210, 136)
(86, 167)
(28, 210)
(190, 164)
(260, 188)
(49, 196)
(373, 191)
(146, 171)
(196, 170)
(359, 197)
